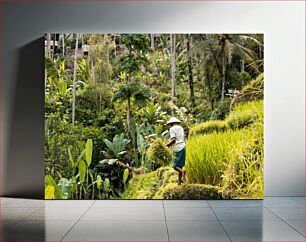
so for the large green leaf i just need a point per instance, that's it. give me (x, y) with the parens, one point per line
(118, 145)
(82, 170)
(99, 181)
(50, 181)
(125, 175)
(106, 184)
(65, 186)
(71, 158)
(110, 146)
(141, 144)
(88, 152)
(49, 192)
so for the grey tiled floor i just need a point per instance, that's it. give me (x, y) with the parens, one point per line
(273, 219)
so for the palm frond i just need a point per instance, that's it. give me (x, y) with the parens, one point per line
(251, 39)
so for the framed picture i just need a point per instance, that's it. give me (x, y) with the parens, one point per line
(154, 116)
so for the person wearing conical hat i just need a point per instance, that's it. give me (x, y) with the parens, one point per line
(177, 141)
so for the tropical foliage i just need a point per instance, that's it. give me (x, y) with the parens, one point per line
(108, 98)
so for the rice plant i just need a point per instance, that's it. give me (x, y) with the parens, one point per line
(254, 106)
(232, 159)
(208, 155)
(243, 177)
(243, 115)
(208, 127)
(159, 154)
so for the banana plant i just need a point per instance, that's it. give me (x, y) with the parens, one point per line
(52, 190)
(116, 148)
(83, 168)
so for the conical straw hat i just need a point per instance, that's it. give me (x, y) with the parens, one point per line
(173, 120)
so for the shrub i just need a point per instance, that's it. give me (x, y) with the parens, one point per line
(60, 135)
(159, 154)
(189, 191)
(208, 127)
(245, 114)
(239, 120)
(222, 109)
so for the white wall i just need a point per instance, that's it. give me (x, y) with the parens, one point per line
(283, 24)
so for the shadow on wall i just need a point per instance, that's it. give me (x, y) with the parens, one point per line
(25, 153)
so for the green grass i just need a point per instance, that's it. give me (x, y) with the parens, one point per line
(207, 155)
(255, 106)
(145, 186)
(189, 191)
(244, 175)
(232, 158)
(243, 115)
(208, 127)
(162, 184)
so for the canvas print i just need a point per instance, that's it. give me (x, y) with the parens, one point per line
(154, 116)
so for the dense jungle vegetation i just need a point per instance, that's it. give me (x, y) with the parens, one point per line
(109, 96)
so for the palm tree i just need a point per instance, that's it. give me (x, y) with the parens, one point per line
(63, 45)
(172, 44)
(229, 45)
(74, 78)
(190, 76)
(128, 91)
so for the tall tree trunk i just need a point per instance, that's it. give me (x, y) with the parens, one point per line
(152, 42)
(74, 78)
(115, 50)
(153, 56)
(242, 70)
(63, 45)
(49, 45)
(172, 41)
(242, 65)
(208, 82)
(54, 45)
(191, 84)
(47, 53)
(223, 77)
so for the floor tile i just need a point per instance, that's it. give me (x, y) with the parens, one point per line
(39, 230)
(21, 203)
(196, 231)
(54, 213)
(289, 213)
(244, 214)
(11, 213)
(69, 203)
(261, 231)
(281, 202)
(298, 225)
(185, 204)
(128, 204)
(189, 214)
(300, 200)
(7, 227)
(235, 203)
(107, 214)
(118, 231)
